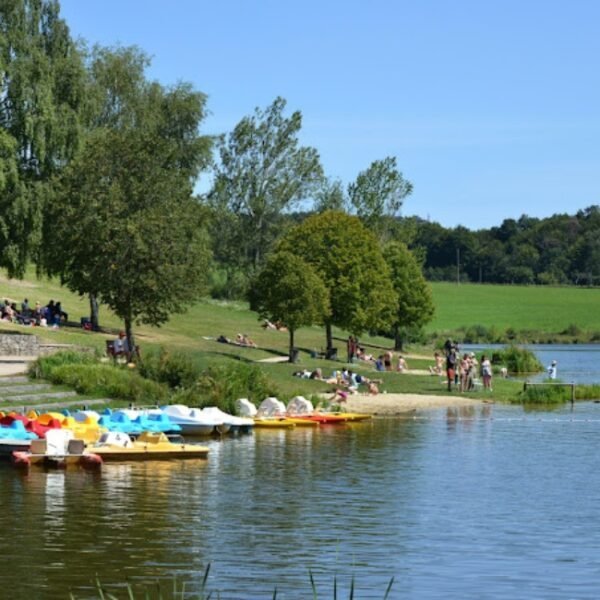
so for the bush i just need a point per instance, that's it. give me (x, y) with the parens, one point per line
(543, 394)
(83, 373)
(43, 366)
(111, 381)
(517, 360)
(222, 385)
(572, 330)
(176, 369)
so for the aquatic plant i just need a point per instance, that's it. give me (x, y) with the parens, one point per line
(517, 360)
(543, 394)
(176, 591)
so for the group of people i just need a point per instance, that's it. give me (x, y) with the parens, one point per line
(383, 362)
(462, 371)
(348, 382)
(345, 381)
(50, 315)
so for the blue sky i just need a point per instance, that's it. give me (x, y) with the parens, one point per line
(492, 109)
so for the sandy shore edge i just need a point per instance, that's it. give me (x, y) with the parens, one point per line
(398, 404)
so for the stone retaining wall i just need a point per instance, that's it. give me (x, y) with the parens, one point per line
(19, 345)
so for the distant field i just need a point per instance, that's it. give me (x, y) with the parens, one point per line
(550, 309)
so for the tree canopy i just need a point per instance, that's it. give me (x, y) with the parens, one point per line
(125, 227)
(348, 259)
(263, 171)
(378, 193)
(41, 95)
(288, 290)
(414, 304)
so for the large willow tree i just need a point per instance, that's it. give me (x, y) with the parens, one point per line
(41, 95)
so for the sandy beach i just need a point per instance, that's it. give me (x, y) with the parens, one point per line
(397, 404)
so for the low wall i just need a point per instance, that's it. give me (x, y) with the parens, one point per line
(15, 344)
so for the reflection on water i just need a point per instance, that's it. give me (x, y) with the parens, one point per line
(469, 502)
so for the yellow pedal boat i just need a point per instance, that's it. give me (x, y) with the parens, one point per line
(274, 422)
(114, 446)
(354, 416)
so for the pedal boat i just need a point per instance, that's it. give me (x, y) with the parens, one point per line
(234, 424)
(58, 450)
(274, 422)
(193, 421)
(115, 446)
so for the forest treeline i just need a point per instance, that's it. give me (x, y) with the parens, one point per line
(561, 249)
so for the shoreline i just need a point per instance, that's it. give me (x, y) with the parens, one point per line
(398, 404)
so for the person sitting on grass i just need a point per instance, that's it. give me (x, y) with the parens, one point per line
(373, 388)
(402, 365)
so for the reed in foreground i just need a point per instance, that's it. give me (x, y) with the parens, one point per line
(178, 591)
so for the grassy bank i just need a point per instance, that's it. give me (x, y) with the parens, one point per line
(195, 333)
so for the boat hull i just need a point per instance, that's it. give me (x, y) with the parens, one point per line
(109, 454)
(275, 423)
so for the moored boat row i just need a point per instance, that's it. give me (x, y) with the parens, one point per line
(87, 438)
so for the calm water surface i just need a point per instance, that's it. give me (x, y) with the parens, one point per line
(490, 502)
(578, 363)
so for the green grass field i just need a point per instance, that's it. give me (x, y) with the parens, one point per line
(548, 309)
(195, 332)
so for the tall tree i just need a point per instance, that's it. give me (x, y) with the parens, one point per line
(41, 95)
(414, 303)
(288, 290)
(378, 193)
(330, 196)
(128, 195)
(349, 261)
(131, 232)
(262, 172)
(122, 101)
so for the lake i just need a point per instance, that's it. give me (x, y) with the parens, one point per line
(578, 363)
(486, 502)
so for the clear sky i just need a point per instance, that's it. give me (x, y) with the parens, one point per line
(492, 109)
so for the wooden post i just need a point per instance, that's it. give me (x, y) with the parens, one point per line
(572, 393)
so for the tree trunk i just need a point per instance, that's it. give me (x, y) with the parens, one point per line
(292, 349)
(329, 336)
(94, 312)
(398, 341)
(129, 336)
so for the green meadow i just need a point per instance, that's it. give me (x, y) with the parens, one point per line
(542, 308)
(195, 333)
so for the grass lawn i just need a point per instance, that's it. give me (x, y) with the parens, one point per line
(195, 332)
(545, 308)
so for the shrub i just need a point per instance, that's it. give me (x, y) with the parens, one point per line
(517, 360)
(108, 380)
(43, 366)
(222, 385)
(572, 330)
(543, 394)
(176, 369)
